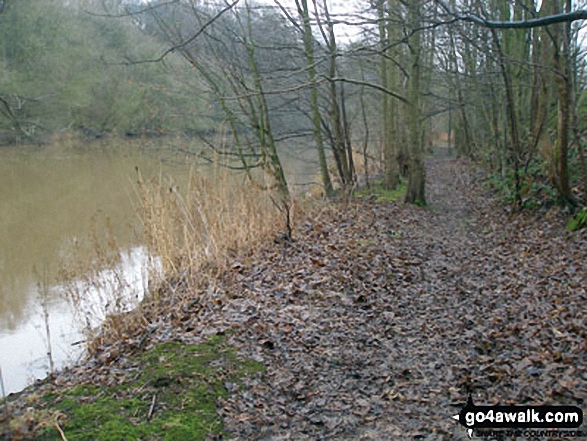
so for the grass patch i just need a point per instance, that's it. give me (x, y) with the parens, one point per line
(381, 194)
(186, 382)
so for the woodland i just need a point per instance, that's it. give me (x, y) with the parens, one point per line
(445, 255)
(260, 75)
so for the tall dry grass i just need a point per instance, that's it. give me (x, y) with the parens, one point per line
(191, 233)
(206, 224)
(101, 280)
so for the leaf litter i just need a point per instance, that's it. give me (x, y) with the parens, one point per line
(379, 319)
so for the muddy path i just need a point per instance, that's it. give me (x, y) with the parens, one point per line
(381, 318)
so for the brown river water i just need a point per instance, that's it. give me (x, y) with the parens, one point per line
(51, 199)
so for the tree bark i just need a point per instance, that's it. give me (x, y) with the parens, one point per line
(417, 174)
(562, 61)
(308, 38)
(389, 107)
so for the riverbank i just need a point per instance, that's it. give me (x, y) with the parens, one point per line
(373, 324)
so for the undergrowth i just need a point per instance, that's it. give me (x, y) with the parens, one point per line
(579, 221)
(535, 190)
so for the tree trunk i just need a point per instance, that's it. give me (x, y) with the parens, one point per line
(510, 121)
(563, 81)
(339, 144)
(417, 174)
(389, 106)
(263, 127)
(316, 118)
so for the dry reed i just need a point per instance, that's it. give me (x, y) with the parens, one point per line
(217, 215)
(190, 229)
(102, 284)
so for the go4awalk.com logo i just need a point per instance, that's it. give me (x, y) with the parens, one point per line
(524, 421)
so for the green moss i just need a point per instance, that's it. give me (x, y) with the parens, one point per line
(186, 382)
(383, 195)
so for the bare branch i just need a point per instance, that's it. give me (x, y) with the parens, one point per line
(289, 17)
(581, 14)
(184, 43)
(129, 13)
(228, 166)
(372, 85)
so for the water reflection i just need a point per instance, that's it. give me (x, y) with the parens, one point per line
(51, 200)
(24, 354)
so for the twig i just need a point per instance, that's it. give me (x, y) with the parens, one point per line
(184, 43)
(6, 412)
(285, 209)
(44, 299)
(152, 407)
(129, 13)
(61, 434)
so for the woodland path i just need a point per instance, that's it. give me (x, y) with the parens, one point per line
(380, 318)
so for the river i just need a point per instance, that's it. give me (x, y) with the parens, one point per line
(53, 200)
